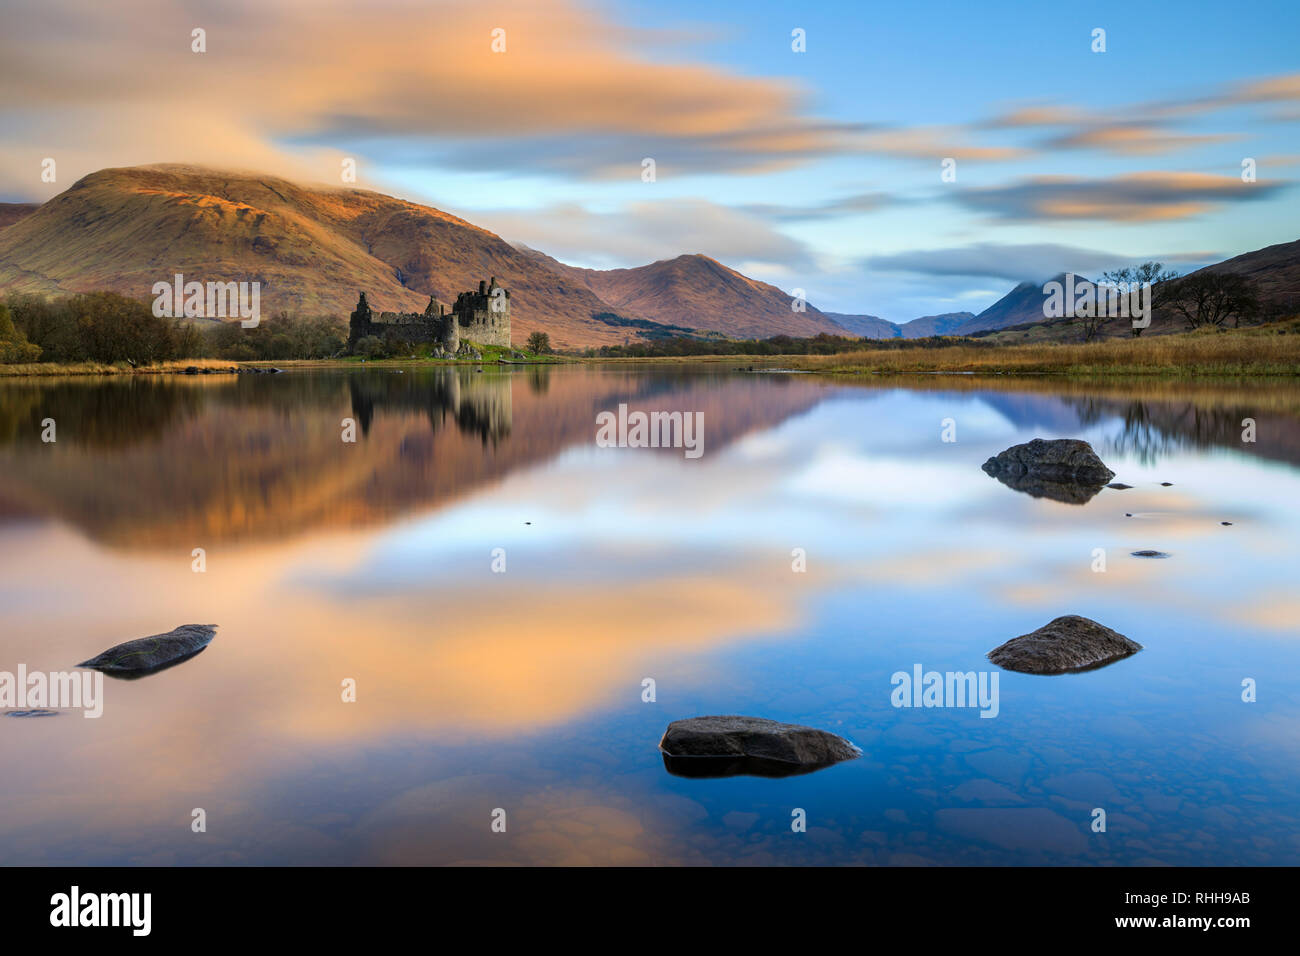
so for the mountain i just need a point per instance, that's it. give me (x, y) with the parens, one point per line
(697, 292)
(865, 326)
(11, 212)
(872, 327)
(1275, 271)
(928, 325)
(312, 249)
(1021, 306)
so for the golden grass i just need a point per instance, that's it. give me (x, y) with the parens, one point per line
(1268, 350)
(46, 369)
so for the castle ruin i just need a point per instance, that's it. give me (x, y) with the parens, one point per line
(481, 317)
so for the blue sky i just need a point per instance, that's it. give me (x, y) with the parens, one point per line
(817, 170)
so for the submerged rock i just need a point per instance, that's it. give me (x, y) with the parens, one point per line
(1119, 486)
(1063, 469)
(148, 654)
(39, 712)
(1069, 643)
(1150, 554)
(731, 745)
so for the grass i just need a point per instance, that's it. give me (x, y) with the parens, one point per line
(44, 369)
(491, 353)
(1266, 350)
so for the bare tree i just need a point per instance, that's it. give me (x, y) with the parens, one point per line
(1134, 277)
(1212, 298)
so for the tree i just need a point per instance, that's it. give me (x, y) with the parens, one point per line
(371, 347)
(14, 347)
(1149, 273)
(1209, 299)
(539, 343)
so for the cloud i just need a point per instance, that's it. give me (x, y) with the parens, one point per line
(289, 87)
(1133, 139)
(934, 143)
(854, 205)
(619, 154)
(1146, 128)
(994, 260)
(640, 232)
(1139, 197)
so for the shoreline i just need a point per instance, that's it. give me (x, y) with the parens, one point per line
(1261, 351)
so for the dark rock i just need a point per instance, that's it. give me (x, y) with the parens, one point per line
(191, 370)
(1063, 469)
(1225, 523)
(149, 654)
(1118, 485)
(1166, 484)
(732, 745)
(1150, 554)
(1069, 643)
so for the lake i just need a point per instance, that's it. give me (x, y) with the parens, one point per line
(505, 596)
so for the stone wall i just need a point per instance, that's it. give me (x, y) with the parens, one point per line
(481, 317)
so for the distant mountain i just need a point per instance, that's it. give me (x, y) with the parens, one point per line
(928, 325)
(312, 249)
(872, 327)
(697, 292)
(1021, 306)
(865, 326)
(1274, 271)
(11, 212)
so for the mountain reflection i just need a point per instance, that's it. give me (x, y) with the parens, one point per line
(178, 462)
(1147, 419)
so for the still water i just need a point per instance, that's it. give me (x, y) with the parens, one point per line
(521, 690)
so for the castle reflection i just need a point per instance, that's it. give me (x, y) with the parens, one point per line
(479, 404)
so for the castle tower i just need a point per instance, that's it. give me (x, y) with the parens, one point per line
(449, 332)
(359, 324)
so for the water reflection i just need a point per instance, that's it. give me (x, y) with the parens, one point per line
(170, 462)
(372, 562)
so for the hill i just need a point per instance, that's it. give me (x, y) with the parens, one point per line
(12, 212)
(312, 249)
(698, 292)
(928, 325)
(866, 326)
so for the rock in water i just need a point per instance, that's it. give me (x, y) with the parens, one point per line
(730, 745)
(1063, 469)
(149, 654)
(1070, 643)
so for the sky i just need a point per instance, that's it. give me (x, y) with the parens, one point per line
(820, 170)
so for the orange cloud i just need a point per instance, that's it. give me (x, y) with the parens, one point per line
(126, 88)
(1139, 197)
